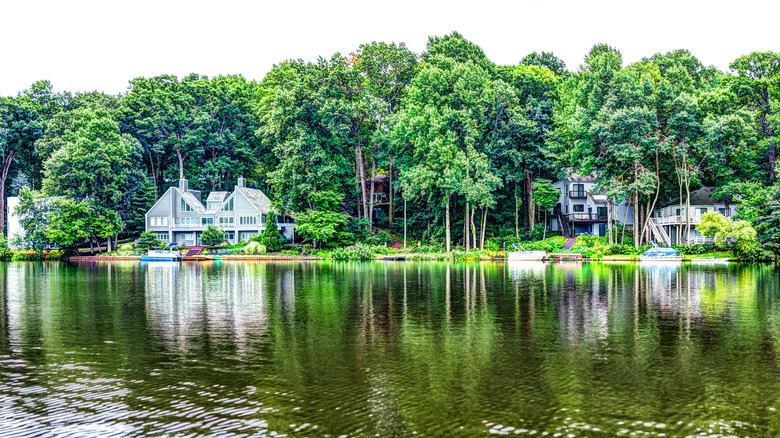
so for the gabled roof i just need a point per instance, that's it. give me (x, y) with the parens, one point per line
(703, 196)
(257, 198)
(192, 200)
(217, 197)
(597, 198)
(570, 175)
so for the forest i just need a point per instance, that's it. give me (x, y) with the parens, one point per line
(468, 147)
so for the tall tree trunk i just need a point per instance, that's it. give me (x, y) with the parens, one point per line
(625, 222)
(404, 223)
(361, 169)
(7, 160)
(373, 190)
(473, 228)
(180, 157)
(636, 205)
(657, 192)
(529, 190)
(687, 207)
(466, 230)
(391, 210)
(484, 227)
(609, 221)
(447, 225)
(517, 213)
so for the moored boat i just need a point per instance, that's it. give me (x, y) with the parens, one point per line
(522, 255)
(710, 260)
(169, 254)
(658, 254)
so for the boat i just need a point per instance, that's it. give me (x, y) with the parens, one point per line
(522, 254)
(658, 254)
(710, 260)
(156, 255)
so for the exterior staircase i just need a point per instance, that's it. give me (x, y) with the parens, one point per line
(659, 233)
(569, 243)
(563, 227)
(193, 251)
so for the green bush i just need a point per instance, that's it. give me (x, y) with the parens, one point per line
(552, 244)
(255, 249)
(695, 248)
(755, 252)
(5, 252)
(148, 240)
(212, 236)
(125, 249)
(356, 252)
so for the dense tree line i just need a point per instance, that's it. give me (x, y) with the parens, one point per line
(464, 143)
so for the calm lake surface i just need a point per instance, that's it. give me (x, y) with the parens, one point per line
(388, 349)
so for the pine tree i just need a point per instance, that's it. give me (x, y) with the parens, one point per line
(270, 237)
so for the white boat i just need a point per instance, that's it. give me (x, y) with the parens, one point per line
(657, 254)
(155, 255)
(710, 260)
(524, 255)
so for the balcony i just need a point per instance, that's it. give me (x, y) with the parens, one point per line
(578, 195)
(585, 217)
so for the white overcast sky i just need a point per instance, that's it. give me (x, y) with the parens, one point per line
(83, 45)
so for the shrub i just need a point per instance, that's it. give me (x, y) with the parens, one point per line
(255, 248)
(5, 252)
(754, 252)
(356, 252)
(212, 236)
(125, 249)
(552, 244)
(148, 240)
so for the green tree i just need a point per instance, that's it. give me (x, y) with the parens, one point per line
(212, 236)
(148, 240)
(546, 196)
(270, 236)
(723, 230)
(33, 212)
(5, 252)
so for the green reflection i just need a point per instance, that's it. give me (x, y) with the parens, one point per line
(444, 349)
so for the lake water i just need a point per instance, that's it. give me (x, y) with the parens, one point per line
(388, 349)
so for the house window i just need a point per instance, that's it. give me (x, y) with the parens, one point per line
(159, 221)
(184, 206)
(228, 206)
(722, 211)
(579, 208)
(601, 212)
(187, 236)
(248, 220)
(702, 210)
(226, 221)
(205, 221)
(229, 235)
(187, 221)
(246, 236)
(162, 236)
(677, 212)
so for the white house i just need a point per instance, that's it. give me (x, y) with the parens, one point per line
(179, 216)
(582, 207)
(670, 221)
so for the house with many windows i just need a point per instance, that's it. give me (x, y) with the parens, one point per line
(582, 207)
(180, 216)
(670, 221)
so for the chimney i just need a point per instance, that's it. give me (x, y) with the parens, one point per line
(183, 185)
(242, 182)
